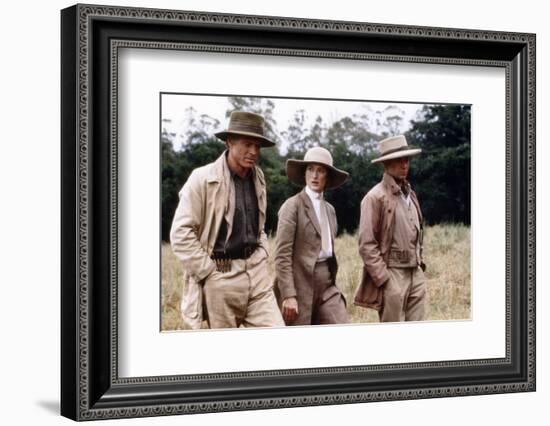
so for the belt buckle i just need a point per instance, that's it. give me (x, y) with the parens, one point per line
(400, 256)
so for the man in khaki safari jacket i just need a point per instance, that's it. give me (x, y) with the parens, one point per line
(218, 235)
(390, 240)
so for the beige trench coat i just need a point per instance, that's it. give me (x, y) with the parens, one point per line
(375, 236)
(298, 244)
(203, 201)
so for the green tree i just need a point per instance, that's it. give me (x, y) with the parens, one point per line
(353, 133)
(388, 121)
(299, 138)
(442, 173)
(196, 146)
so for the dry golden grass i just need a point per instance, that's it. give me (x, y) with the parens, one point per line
(446, 252)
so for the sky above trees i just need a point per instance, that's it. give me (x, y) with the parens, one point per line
(181, 113)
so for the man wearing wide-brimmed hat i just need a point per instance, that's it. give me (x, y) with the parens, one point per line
(390, 240)
(218, 234)
(305, 263)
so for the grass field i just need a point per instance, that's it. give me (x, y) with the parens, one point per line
(446, 253)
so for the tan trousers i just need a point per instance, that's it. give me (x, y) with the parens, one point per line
(329, 306)
(404, 295)
(243, 296)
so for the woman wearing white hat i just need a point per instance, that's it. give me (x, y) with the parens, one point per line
(305, 264)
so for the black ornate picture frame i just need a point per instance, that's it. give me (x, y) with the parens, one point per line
(90, 384)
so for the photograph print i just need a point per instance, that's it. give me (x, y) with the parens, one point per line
(281, 212)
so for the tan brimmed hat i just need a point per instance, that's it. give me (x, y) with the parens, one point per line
(246, 124)
(395, 147)
(296, 169)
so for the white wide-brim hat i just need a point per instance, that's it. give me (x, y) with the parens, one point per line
(296, 169)
(395, 147)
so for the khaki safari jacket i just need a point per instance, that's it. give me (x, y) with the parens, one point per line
(375, 237)
(203, 201)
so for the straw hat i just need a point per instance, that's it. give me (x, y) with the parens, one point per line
(246, 124)
(296, 169)
(395, 147)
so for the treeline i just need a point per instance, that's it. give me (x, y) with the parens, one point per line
(440, 175)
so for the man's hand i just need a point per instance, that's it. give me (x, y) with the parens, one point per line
(290, 309)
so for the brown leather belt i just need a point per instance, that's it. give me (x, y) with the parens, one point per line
(245, 253)
(223, 260)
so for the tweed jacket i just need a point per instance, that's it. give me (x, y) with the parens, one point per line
(297, 248)
(203, 202)
(376, 228)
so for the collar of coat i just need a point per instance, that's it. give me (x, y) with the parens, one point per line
(390, 183)
(310, 213)
(217, 173)
(220, 174)
(310, 210)
(395, 189)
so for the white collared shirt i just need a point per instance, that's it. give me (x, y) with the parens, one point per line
(316, 198)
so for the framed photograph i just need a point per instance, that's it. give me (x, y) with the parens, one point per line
(350, 130)
(151, 99)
